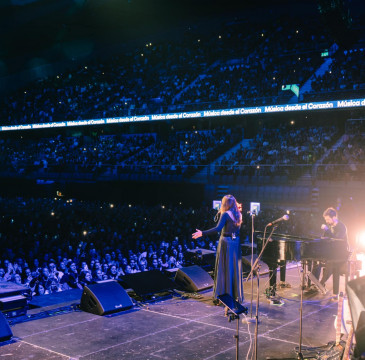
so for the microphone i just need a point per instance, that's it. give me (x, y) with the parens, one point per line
(324, 228)
(285, 217)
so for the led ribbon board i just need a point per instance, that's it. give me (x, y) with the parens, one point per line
(311, 106)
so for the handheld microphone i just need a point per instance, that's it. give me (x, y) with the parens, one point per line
(324, 228)
(285, 217)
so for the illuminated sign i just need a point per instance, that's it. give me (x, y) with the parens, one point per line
(334, 104)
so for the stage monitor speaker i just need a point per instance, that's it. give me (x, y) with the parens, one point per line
(246, 265)
(356, 296)
(201, 257)
(105, 297)
(148, 282)
(193, 278)
(5, 331)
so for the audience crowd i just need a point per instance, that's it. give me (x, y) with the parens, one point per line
(240, 64)
(346, 162)
(287, 151)
(284, 151)
(345, 77)
(52, 245)
(179, 153)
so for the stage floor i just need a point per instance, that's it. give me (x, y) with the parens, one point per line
(173, 328)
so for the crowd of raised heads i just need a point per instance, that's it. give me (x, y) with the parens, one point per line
(346, 162)
(181, 153)
(287, 151)
(52, 245)
(239, 64)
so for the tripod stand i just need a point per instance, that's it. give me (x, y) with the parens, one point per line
(235, 309)
(255, 269)
(302, 285)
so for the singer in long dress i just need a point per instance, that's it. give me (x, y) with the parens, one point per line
(228, 262)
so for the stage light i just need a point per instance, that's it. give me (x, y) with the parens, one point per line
(360, 241)
(360, 257)
(360, 250)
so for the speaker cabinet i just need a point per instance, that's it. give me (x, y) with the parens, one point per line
(105, 297)
(246, 265)
(193, 278)
(148, 282)
(201, 257)
(5, 331)
(356, 295)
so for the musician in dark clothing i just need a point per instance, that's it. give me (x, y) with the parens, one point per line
(228, 264)
(333, 229)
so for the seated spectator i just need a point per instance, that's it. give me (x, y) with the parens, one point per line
(27, 276)
(155, 265)
(2, 274)
(16, 279)
(39, 289)
(70, 280)
(53, 285)
(98, 275)
(112, 272)
(86, 278)
(54, 272)
(171, 262)
(180, 262)
(134, 266)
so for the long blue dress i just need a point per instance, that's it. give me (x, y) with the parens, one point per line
(228, 261)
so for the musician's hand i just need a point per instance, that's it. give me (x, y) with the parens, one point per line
(197, 234)
(324, 227)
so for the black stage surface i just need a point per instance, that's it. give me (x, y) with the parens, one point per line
(171, 328)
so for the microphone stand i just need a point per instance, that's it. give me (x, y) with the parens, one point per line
(256, 266)
(264, 244)
(252, 237)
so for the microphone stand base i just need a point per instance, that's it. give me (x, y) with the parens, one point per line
(248, 320)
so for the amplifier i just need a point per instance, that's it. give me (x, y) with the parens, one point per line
(13, 306)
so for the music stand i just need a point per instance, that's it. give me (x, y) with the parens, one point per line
(235, 309)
